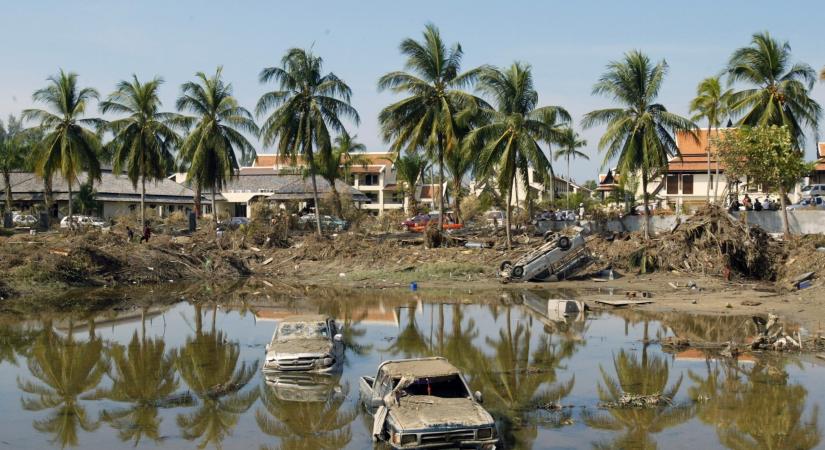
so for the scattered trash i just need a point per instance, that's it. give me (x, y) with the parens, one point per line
(342, 275)
(772, 335)
(804, 284)
(820, 249)
(634, 294)
(623, 303)
(267, 261)
(728, 305)
(267, 283)
(413, 286)
(750, 303)
(637, 401)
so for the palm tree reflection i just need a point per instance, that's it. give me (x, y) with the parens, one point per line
(68, 371)
(208, 363)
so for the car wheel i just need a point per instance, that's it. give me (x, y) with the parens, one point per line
(564, 243)
(505, 265)
(518, 271)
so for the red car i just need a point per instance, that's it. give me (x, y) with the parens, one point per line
(420, 220)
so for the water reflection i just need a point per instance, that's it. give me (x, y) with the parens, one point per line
(208, 363)
(193, 375)
(66, 373)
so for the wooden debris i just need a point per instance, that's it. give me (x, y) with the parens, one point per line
(623, 303)
(267, 261)
(750, 303)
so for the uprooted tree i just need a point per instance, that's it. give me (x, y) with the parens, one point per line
(766, 154)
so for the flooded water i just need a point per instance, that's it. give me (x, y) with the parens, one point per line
(186, 376)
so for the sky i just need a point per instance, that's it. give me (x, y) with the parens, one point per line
(567, 43)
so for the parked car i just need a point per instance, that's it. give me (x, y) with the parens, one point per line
(83, 221)
(495, 219)
(813, 190)
(808, 203)
(417, 221)
(24, 220)
(233, 223)
(327, 222)
(309, 343)
(426, 403)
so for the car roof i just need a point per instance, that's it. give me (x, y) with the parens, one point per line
(419, 368)
(305, 318)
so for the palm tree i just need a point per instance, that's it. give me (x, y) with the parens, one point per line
(144, 139)
(208, 363)
(143, 374)
(338, 164)
(217, 134)
(410, 169)
(13, 152)
(307, 105)
(711, 104)
(569, 148)
(639, 131)
(436, 107)
(781, 91)
(68, 147)
(459, 163)
(68, 371)
(509, 138)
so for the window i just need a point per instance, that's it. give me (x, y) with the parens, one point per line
(397, 197)
(373, 196)
(370, 179)
(672, 184)
(687, 184)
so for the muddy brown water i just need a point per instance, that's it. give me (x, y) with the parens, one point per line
(187, 376)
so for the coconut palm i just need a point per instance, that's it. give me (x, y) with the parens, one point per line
(307, 105)
(569, 146)
(430, 117)
(780, 92)
(68, 372)
(337, 165)
(711, 103)
(459, 164)
(509, 137)
(410, 168)
(307, 424)
(143, 140)
(68, 146)
(639, 131)
(208, 363)
(648, 376)
(143, 375)
(215, 133)
(13, 153)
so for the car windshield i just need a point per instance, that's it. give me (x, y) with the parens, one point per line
(450, 386)
(301, 330)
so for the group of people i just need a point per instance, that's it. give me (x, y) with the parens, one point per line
(753, 205)
(147, 233)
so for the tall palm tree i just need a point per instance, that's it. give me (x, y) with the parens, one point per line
(436, 106)
(68, 146)
(711, 103)
(410, 169)
(639, 131)
(216, 133)
(780, 92)
(68, 371)
(307, 105)
(510, 136)
(337, 165)
(569, 146)
(143, 140)
(13, 153)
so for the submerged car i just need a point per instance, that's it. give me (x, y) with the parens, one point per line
(425, 403)
(308, 343)
(303, 386)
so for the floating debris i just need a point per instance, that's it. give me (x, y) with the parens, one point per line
(637, 401)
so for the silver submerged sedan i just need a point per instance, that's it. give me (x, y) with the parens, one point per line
(308, 343)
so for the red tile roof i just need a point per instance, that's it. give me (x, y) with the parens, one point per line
(820, 165)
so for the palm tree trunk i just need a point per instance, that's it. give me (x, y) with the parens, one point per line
(646, 212)
(197, 199)
(47, 194)
(7, 184)
(214, 209)
(507, 218)
(308, 152)
(709, 128)
(143, 201)
(785, 227)
(336, 200)
(567, 186)
(71, 225)
(440, 183)
(716, 178)
(457, 200)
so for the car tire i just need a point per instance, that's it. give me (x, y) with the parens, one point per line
(564, 243)
(518, 271)
(505, 265)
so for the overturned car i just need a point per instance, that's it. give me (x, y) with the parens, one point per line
(308, 343)
(557, 258)
(425, 403)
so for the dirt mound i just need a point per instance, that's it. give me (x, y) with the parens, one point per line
(710, 242)
(803, 257)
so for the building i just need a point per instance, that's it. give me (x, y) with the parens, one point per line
(377, 180)
(115, 193)
(561, 186)
(818, 177)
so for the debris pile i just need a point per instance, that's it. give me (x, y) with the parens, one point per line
(772, 336)
(637, 401)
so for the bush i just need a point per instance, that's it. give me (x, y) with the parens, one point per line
(261, 210)
(472, 207)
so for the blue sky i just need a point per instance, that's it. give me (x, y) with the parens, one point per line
(567, 43)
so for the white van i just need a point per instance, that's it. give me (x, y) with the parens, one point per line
(813, 190)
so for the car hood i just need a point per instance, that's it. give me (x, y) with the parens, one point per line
(281, 349)
(423, 412)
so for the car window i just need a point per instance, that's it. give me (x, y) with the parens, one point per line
(301, 330)
(445, 387)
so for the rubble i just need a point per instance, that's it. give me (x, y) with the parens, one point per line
(637, 401)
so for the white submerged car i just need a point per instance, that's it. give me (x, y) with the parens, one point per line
(308, 343)
(425, 403)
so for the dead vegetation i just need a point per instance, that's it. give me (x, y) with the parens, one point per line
(637, 401)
